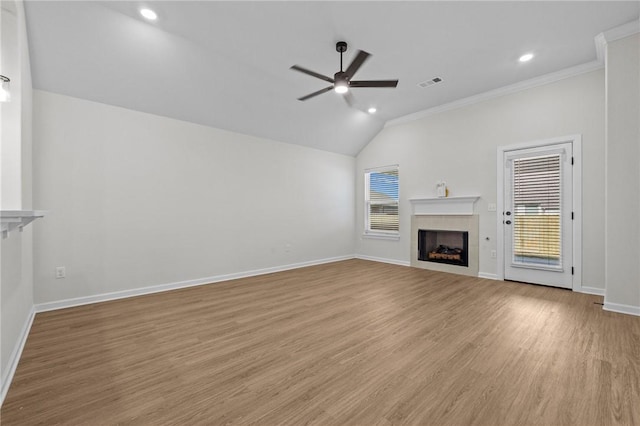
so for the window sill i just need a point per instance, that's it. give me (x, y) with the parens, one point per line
(373, 236)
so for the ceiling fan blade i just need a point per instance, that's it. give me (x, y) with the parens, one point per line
(312, 73)
(319, 92)
(374, 83)
(348, 97)
(357, 63)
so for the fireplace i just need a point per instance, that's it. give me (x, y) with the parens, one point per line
(459, 224)
(443, 246)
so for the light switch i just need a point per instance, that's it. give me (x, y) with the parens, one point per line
(491, 207)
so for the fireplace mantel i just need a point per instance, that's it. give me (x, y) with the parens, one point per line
(443, 206)
(17, 219)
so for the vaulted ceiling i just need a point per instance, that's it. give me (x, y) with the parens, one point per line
(226, 64)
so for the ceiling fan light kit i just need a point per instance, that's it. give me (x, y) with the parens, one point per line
(341, 81)
(341, 86)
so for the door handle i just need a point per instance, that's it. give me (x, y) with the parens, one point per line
(508, 213)
(508, 222)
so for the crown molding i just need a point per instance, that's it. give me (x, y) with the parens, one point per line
(502, 91)
(630, 28)
(625, 30)
(601, 47)
(600, 41)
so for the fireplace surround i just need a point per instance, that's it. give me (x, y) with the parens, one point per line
(454, 216)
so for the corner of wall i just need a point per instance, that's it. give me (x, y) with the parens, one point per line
(622, 186)
(16, 252)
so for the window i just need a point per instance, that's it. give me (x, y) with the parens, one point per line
(537, 230)
(381, 201)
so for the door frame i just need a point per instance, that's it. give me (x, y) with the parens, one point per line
(576, 142)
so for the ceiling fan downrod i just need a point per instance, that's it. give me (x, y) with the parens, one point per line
(341, 47)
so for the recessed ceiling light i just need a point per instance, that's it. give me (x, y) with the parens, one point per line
(148, 14)
(526, 57)
(372, 110)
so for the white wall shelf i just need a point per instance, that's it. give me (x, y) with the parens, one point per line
(17, 219)
(444, 205)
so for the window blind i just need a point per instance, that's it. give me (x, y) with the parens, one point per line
(381, 195)
(537, 211)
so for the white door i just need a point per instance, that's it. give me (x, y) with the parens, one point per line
(537, 217)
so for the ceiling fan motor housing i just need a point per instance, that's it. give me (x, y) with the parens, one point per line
(341, 76)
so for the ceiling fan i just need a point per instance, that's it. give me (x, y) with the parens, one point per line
(341, 81)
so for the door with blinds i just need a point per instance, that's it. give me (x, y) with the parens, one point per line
(537, 220)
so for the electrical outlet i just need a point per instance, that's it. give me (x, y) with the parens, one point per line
(494, 254)
(61, 272)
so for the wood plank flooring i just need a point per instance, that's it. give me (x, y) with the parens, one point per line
(351, 342)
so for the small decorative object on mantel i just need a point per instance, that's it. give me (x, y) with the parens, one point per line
(441, 189)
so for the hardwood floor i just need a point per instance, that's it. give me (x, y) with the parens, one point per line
(352, 342)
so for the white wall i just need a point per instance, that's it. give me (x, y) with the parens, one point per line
(623, 175)
(16, 252)
(140, 200)
(10, 152)
(459, 146)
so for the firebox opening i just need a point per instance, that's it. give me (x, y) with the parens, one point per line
(441, 246)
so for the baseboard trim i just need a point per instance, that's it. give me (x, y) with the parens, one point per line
(621, 309)
(105, 297)
(14, 358)
(591, 290)
(487, 276)
(383, 260)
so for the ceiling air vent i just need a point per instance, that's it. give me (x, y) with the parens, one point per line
(431, 82)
